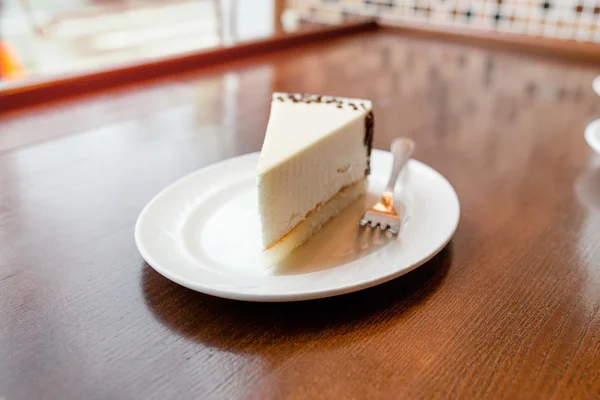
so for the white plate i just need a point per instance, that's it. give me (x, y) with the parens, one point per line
(592, 135)
(596, 85)
(203, 232)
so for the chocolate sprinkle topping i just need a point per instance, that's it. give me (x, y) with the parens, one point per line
(313, 98)
(369, 124)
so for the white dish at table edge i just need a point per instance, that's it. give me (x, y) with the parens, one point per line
(592, 135)
(203, 233)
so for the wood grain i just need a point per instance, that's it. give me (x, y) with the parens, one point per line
(510, 309)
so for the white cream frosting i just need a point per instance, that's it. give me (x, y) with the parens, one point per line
(311, 150)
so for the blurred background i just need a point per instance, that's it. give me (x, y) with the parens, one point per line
(41, 37)
(48, 37)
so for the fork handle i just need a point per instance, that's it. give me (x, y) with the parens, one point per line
(402, 149)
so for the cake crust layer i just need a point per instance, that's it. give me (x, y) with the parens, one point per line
(315, 220)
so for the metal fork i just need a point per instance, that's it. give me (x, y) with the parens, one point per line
(383, 215)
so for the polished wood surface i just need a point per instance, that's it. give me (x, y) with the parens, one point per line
(510, 309)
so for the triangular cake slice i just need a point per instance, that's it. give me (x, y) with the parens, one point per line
(314, 162)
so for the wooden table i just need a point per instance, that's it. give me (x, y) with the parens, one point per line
(510, 309)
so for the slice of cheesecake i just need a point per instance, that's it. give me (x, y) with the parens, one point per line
(314, 162)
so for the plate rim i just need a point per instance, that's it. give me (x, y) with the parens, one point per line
(281, 297)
